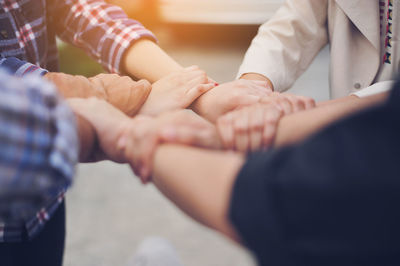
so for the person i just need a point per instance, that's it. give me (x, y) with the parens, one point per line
(327, 200)
(325, 195)
(42, 139)
(120, 44)
(39, 150)
(362, 37)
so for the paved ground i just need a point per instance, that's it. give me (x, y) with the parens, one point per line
(110, 212)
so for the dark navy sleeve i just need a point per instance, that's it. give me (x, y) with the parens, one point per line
(20, 68)
(331, 200)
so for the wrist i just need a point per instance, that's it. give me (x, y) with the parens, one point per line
(257, 76)
(144, 59)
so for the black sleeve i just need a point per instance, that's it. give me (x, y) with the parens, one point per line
(332, 200)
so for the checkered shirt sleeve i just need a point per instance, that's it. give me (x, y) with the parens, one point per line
(39, 150)
(104, 31)
(20, 68)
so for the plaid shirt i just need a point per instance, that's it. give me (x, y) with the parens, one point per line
(28, 29)
(39, 150)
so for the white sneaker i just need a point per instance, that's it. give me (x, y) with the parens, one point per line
(155, 251)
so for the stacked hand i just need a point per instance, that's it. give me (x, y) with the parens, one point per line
(229, 96)
(144, 134)
(134, 140)
(254, 127)
(177, 91)
(247, 114)
(122, 92)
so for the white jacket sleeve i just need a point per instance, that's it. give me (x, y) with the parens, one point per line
(377, 88)
(286, 45)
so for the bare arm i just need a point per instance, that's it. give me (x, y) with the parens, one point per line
(298, 126)
(146, 60)
(200, 182)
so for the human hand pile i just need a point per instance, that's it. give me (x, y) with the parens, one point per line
(134, 140)
(131, 118)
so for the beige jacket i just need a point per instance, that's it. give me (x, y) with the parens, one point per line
(286, 45)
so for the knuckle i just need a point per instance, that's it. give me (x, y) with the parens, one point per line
(310, 102)
(240, 128)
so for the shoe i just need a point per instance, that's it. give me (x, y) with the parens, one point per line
(155, 251)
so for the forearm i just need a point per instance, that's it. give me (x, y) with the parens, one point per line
(199, 182)
(298, 126)
(146, 60)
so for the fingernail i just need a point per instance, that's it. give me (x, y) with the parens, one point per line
(216, 84)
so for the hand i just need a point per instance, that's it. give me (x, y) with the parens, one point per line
(145, 133)
(71, 86)
(229, 96)
(177, 91)
(251, 128)
(109, 124)
(122, 92)
(289, 103)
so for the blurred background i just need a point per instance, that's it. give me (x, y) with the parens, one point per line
(108, 211)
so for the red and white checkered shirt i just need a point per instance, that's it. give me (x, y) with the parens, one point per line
(28, 29)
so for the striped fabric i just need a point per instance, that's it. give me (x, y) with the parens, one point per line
(28, 29)
(39, 150)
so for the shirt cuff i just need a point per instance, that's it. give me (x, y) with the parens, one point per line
(21, 68)
(273, 76)
(120, 37)
(377, 88)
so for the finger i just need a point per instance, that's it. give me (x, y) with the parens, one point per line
(297, 103)
(308, 102)
(188, 136)
(241, 125)
(269, 135)
(139, 146)
(197, 91)
(145, 153)
(226, 131)
(271, 120)
(285, 104)
(197, 77)
(191, 68)
(126, 144)
(210, 80)
(256, 125)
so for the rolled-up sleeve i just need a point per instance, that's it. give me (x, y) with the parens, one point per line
(39, 146)
(104, 31)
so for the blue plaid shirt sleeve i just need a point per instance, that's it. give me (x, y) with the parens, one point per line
(39, 148)
(104, 31)
(20, 68)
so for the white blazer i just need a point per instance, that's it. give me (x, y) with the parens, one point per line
(286, 45)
